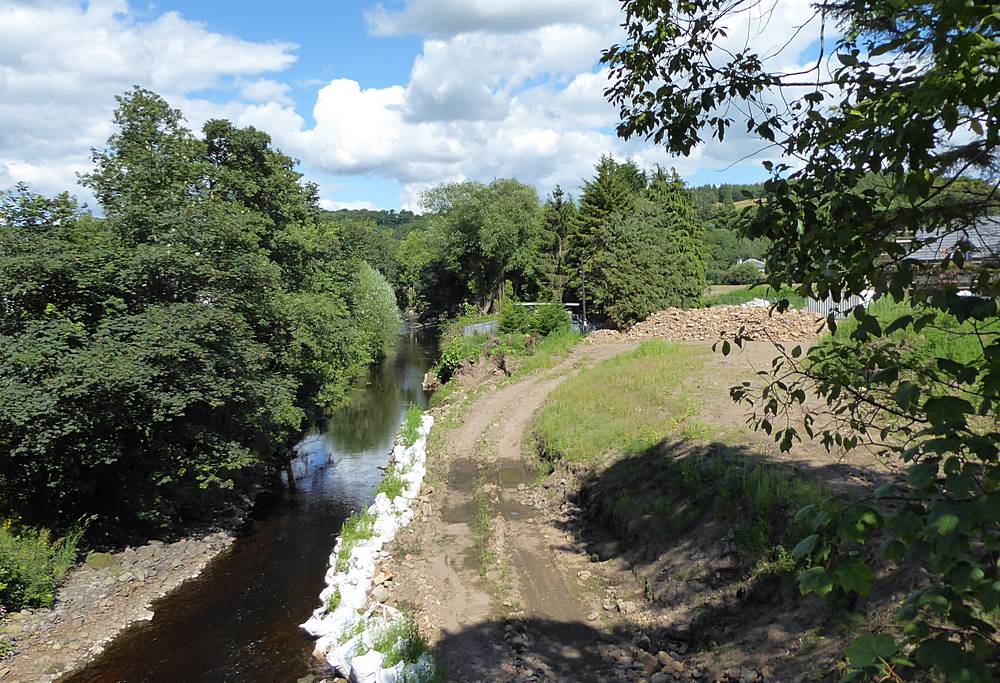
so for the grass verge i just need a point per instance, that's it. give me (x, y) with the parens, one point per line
(631, 419)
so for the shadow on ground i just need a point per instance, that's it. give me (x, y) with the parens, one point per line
(521, 648)
(702, 530)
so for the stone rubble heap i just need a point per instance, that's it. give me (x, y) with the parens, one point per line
(346, 633)
(719, 322)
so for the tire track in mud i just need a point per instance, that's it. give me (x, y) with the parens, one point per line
(463, 600)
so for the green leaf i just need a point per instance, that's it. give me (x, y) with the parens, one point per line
(948, 411)
(805, 546)
(815, 580)
(922, 474)
(869, 650)
(855, 577)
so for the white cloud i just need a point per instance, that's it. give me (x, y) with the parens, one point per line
(335, 205)
(450, 17)
(62, 63)
(265, 90)
(501, 88)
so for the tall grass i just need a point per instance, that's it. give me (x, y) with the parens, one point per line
(623, 405)
(550, 350)
(392, 484)
(944, 338)
(32, 565)
(399, 641)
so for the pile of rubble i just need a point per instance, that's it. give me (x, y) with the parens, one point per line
(720, 322)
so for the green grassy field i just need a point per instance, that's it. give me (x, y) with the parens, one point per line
(622, 405)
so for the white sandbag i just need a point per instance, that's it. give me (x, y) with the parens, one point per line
(365, 668)
(391, 674)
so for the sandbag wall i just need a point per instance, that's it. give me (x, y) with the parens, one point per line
(345, 625)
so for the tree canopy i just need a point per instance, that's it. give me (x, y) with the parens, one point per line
(182, 342)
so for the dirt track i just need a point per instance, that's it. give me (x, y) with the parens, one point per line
(468, 610)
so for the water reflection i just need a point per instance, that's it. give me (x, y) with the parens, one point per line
(239, 620)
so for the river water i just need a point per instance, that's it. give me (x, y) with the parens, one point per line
(239, 620)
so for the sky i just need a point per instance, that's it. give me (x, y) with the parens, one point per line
(378, 101)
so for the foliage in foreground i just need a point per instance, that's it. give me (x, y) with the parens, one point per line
(897, 147)
(32, 565)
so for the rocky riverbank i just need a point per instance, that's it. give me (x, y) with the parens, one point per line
(99, 600)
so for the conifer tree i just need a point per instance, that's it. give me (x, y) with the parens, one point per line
(558, 217)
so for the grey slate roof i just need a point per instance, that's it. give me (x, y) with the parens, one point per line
(984, 237)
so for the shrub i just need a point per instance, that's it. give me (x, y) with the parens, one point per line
(32, 565)
(549, 318)
(455, 351)
(514, 318)
(742, 274)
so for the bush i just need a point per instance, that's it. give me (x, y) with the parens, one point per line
(32, 565)
(455, 351)
(514, 318)
(542, 320)
(742, 274)
(549, 318)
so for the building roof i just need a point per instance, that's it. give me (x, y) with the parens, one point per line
(984, 237)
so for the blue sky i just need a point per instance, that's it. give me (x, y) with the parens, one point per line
(378, 102)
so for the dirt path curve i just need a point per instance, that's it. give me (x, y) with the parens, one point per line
(491, 576)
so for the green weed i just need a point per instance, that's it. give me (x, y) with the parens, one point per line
(359, 527)
(392, 484)
(334, 601)
(410, 431)
(32, 564)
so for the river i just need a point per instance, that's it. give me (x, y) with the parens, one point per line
(239, 620)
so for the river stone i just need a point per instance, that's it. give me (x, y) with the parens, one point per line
(380, 594)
